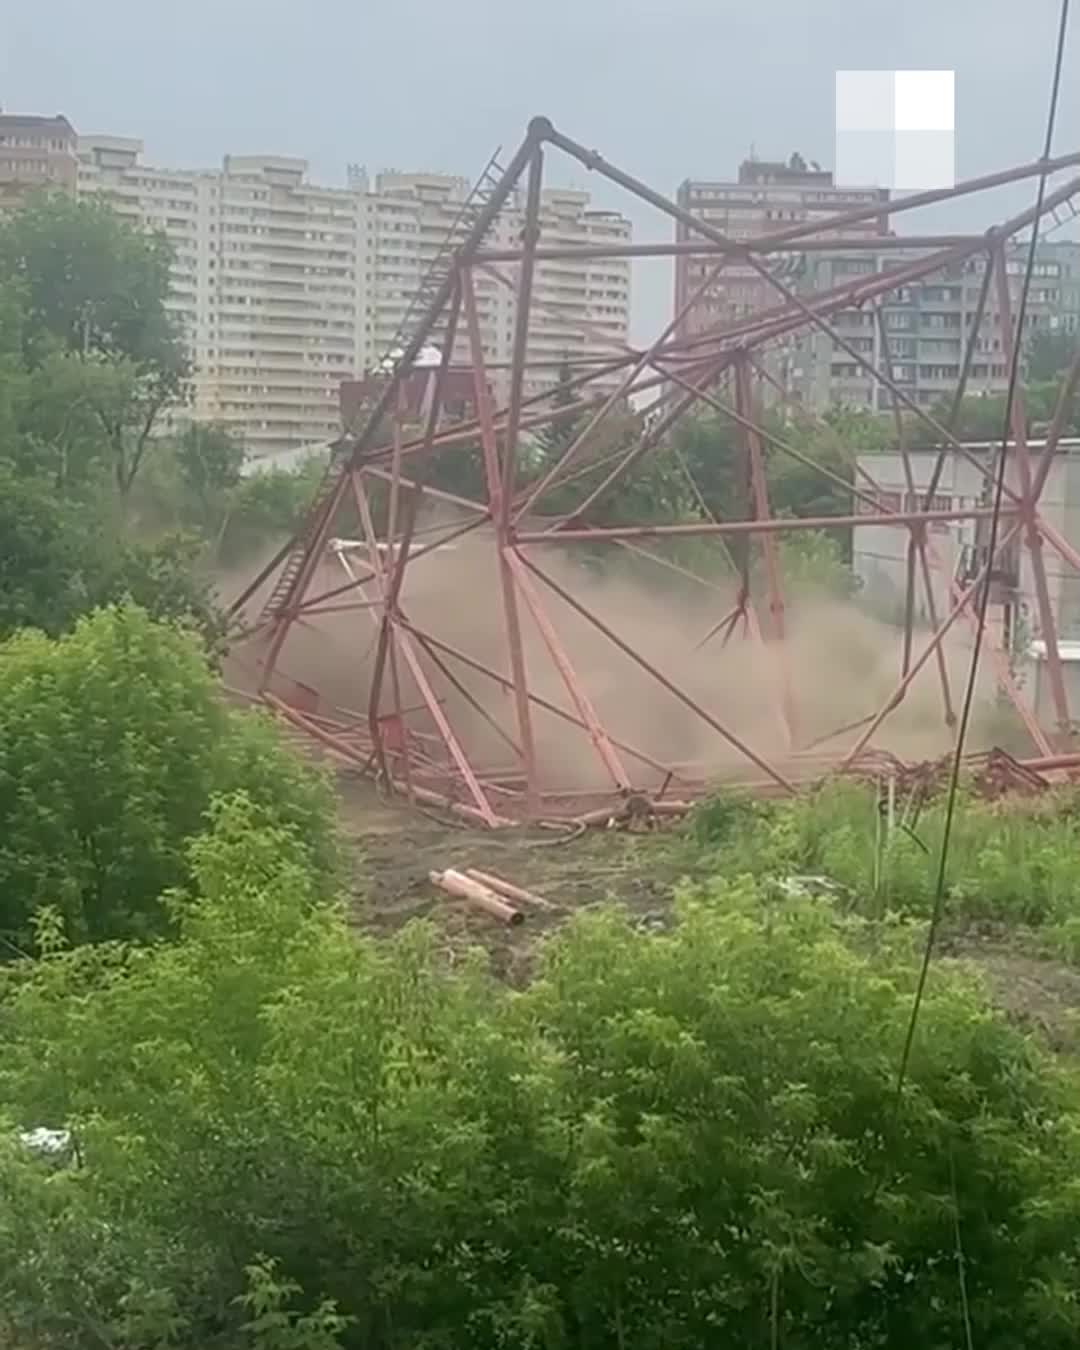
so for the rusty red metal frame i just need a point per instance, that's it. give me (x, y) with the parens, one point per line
(432, 759)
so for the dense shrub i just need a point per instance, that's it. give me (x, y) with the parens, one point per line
(113, 742)
(1012, 861)
(666, 1141)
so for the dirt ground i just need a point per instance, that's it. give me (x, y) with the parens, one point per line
(395, 848)
(1035, 990)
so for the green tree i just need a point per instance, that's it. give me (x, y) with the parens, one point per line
(666, 1141)
(93, 289)
(210, 460)
(981, 417)
(49, 564)
(167, 578)
(113, 741)
(1049, 354)
(556, 435)
(60, 559)
(267, 505)
(59, 428)
(92, 283)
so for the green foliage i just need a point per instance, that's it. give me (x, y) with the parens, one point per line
(1049, 354)
(167, 580)
(92, 283)
(265, 506)
(1010, 861)
(209, 461)
(113, 743)
(291, 1136)
(58, 562)
(44, 557)
(981, 417)
(565, 425)
(91, 295)
(812, 561)
(88, 358)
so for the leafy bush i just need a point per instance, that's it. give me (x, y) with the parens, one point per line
(291, 1136)
(1012, 861)
(113, 741)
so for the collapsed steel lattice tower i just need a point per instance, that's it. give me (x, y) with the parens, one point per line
(417, 749)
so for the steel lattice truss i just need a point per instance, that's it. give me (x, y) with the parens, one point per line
(406, 733)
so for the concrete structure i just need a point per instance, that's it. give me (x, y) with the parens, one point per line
(957, 548)
(1038, 679)
(767, 196)
(35, 152)
(926, 325)
(284, 289)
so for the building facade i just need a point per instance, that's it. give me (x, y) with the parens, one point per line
(284, 289)
(957, 549)
(923, 329)
(416, 219)
(580, 307)
(268, 286)
(766, 197)
(36, 153)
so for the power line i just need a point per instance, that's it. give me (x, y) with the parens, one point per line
(984, 594)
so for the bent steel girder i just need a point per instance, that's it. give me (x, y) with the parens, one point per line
(415, 670)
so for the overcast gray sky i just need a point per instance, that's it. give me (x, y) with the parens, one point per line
(665, 88)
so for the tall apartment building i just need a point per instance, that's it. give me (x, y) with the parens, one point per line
(1067, 254)
(284, 289)
(35, 152)
(413, 219)
(268, 283)
(926, 326)
(580, 307)
(767, 196)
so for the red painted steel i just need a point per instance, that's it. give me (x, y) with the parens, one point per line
(678, 373)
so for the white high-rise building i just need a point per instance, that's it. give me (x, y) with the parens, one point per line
(283, 289)
(268, 283)
(414, 217)
(580, 307)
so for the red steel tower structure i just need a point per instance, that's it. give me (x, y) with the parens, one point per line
(406, 729)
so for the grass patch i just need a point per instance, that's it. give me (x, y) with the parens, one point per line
(1015, 861)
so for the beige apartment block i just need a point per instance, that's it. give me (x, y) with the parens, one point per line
(268, 283)
(283, 288)
(35, 153)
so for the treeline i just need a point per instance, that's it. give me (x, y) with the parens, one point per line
(106, 489)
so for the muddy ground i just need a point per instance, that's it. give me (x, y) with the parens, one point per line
(394, 848)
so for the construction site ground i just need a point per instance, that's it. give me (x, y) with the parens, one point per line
(393, 848)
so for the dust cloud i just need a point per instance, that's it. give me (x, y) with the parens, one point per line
(842, 665)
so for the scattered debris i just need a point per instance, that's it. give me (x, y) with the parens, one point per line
(802, 888)
(509, 890)
(476, 893)
(54, 1146)
(636, 814)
